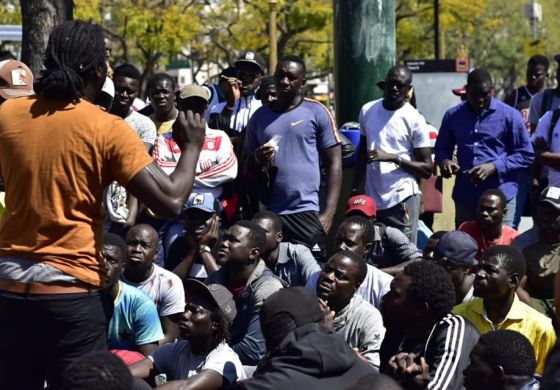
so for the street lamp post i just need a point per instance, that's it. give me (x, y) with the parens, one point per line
(273, 57)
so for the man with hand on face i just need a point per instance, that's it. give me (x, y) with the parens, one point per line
(232, 116)
(162, 286)
(293, 263)
(295, 135)
(499, 272)
(395, 151)
(488, 229)
(356, 234)
(421, 331)
(134, 325)
(246, 276)
(198, 250)
(202, 358)
(348, 314)
(492, 145)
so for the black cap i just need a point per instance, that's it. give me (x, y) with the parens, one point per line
(551, 195)
(298, 302)
(457, 248)
(216, 293)
(266, 81)
(252, 57)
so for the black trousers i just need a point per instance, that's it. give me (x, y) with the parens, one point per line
(306, 229)
(40, 335)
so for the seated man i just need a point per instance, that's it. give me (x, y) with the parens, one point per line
(488, 230)
(502, 360)
(455, 252)
(356, 234)
(417, 314)
(391, 249)
(246, 276)
(499, 271)
(540, 247)
(356, 320)
(162, 286)
(202, 358)
(291, 322)
(135, 325)
(293, 263)
(194, 254)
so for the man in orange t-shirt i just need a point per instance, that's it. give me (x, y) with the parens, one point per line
(488, 229)
(57, 153)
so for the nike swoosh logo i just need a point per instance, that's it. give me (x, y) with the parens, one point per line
(297, 122)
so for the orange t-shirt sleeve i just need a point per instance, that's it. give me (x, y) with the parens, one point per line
(126, 154)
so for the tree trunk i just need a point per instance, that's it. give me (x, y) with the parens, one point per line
(39, 18)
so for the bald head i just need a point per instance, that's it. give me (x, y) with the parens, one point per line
(400, 70)
(142, 242)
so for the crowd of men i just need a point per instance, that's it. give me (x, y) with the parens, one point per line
(182, 243)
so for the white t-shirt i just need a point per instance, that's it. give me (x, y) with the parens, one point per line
(542, 131)
(143, 126)
(178, 362)
(376, 284)
(398, 132)
(165, 289)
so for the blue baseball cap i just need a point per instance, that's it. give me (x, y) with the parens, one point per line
(203, 201)
(457, 248)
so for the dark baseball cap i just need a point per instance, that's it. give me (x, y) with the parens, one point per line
(457, 248)
(217, 294)
(252, 57)
(298, 302)
(551, 195)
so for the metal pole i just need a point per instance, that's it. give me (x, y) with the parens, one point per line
(436, 30)
(273, 43)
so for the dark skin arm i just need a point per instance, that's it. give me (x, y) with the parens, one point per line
(142, 369)
(163, 194)
(170, 330)
(147, 349)
(182, 269)
(205, 380)
(332, 160)
(421, 168)
(544, 156)
(399, 267)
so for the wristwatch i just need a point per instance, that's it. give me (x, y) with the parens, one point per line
(204, 249)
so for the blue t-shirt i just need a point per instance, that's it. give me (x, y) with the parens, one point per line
(135, 320)
(301, 134)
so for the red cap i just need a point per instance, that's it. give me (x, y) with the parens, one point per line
(363, 204)
(460, 91)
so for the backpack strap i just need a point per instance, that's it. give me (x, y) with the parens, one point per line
(546, 102)
(553, 122)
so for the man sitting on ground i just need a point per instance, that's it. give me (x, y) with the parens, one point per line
(249, 280)
(194, 255)
(417, 314)
(293, 263)
(502, 360)
(488, 230)
(456, 252)
(391, 249)
(162, 286)
(135, 325)
(348, 314)
(499, 271)
(202, 359)
(356, 234)
(291, 322)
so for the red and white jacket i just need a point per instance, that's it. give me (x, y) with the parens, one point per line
(217, 163)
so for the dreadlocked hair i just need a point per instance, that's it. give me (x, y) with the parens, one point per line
(75, 48)
(221, 332)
